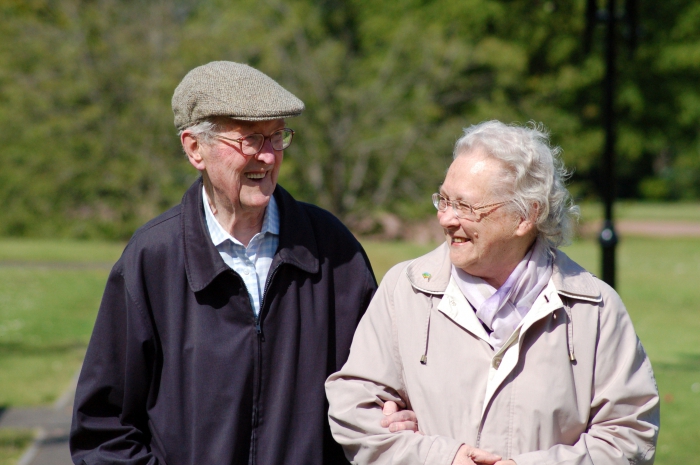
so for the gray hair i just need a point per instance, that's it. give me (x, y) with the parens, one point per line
(535, 174)
(204, 130)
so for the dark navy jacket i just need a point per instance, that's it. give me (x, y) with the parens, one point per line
(179, 370)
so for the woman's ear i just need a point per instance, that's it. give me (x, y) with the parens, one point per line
(527, 225)
(193, 149)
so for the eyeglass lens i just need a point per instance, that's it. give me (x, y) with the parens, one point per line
(252, 144)
(461, 210)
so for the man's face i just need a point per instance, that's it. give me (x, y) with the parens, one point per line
(241, 182)
(489, 247)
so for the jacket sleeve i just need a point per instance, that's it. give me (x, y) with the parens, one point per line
(624, 416)
(371, 376)
(110, 423)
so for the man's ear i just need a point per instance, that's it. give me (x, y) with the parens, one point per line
(193, 149)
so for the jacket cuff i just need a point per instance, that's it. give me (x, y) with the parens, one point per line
(533, 458)
(442, 451)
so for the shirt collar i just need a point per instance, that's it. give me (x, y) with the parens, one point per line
(271, 222)
(297, 246)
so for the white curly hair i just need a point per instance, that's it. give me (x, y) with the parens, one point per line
(534, 178)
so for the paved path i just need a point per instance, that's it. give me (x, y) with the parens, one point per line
(52, 425)
(646, 228)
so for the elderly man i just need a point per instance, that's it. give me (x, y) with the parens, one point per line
(224, 315)
(502, 349)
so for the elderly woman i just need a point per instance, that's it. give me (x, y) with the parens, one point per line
(507, 351)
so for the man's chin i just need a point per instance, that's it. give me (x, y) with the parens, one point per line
(259, 200)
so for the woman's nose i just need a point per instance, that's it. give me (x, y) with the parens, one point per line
(448, 219)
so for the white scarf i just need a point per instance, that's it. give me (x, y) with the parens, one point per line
(502, 310)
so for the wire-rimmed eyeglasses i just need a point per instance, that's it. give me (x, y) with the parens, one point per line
(252, 144)
(462, 209)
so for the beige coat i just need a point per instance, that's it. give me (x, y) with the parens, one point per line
(573, 384)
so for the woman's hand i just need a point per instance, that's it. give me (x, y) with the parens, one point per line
(468, 455)
(406, 420)
(399, 420)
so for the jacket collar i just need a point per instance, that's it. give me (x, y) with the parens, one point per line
(431, 273)
(203, 263)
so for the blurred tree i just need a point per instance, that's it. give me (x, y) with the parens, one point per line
(87, 138)
(89, 149)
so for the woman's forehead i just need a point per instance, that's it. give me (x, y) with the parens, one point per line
(471, 177)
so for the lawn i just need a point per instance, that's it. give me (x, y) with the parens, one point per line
(50, 291)
(12, 445)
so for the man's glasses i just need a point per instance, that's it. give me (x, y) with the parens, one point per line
(461, 209)
(252, 144)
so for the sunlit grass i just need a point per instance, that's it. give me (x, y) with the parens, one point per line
(12, 445)
(59, 251)
(46, 317)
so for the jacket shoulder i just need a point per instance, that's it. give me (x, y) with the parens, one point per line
(164, 220)
(326, 222)
(161, 231)
(572, 280)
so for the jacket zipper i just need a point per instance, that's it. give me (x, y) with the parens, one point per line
(258, 379)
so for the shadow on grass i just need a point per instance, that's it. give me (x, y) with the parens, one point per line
(39, 348)
(686, 362)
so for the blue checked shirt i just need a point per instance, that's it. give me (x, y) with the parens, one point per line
(252, 262)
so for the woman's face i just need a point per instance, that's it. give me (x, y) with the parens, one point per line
(492, 245)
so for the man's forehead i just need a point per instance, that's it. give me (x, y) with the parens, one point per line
(253, 126)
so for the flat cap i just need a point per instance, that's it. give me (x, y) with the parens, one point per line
(225, 88)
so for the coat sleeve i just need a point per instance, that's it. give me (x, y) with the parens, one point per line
(624, 416)
(110, 422)
(371, 376)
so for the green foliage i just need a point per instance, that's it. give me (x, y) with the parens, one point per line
(89, 150)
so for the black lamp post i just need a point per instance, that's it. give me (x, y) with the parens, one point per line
(608, 238)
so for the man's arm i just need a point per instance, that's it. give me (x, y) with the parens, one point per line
(110, 423)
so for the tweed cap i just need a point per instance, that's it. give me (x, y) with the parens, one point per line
(225, 88)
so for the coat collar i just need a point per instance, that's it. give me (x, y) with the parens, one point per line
(431, 273)
(203, 263)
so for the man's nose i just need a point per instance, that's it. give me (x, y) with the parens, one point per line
(267, 153)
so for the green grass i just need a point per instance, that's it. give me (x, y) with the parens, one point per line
(49, 295)
(384, 255)
(46, 316)
(12, 445)
(47, 308)
(37, 250)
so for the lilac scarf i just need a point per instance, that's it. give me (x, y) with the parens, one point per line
(502, 310)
